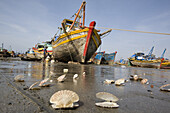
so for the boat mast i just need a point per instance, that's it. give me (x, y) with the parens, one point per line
(83, 15)
(82, 5)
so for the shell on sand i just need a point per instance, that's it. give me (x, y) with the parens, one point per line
(61, 78)
(19, 78)
(65, 70)
(43, 81)
(144, 81)
(120, 82)
(34, 88)
(107, 104)
(165, 88)
(107, 96)
(107, 81)
(64, 99)
(75, 76)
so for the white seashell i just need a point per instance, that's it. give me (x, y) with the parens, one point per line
(64, 99)
(61, 78)
(107, 96)
(165, 88)
(43, 81)
(107, 81)
(144, 81)
(120, 82)
(65, 70)
(32, 86)
(75, 76)
(107, 104)
(52, 61)
(123, 66)
(19, 78)
(135, 77)
(84, 73)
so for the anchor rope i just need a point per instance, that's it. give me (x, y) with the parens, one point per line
(134, 31)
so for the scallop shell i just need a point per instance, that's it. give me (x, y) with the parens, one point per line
(107, 81)
(19, 78)
(61, 78)
(144, 81)
(120, 82)
(107, 104)
(107, 96)
(64, 99)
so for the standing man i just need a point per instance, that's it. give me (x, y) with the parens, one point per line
(45, 52)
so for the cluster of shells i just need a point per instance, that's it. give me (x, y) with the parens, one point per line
(118, 82)
(69, 99)
(139, 78)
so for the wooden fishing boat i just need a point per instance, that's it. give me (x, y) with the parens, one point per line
(76, 42)
(109, 58)
(39, 49)
(4, 53)
(98, 57)
(145, 63)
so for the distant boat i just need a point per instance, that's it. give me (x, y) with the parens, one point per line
(98, 57)
(39, 49)
(76, 42)
(149, 61)
(4, 53)
(109, 58)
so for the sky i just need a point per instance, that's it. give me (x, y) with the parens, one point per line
(23, 23)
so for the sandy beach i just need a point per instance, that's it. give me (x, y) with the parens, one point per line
(134, 97)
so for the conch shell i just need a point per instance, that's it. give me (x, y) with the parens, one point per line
(64, 99)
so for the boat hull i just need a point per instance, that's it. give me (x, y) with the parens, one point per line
(148, 64)
(109, 58)
(78, 45)
(98, 58)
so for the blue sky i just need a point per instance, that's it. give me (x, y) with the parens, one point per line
(23, 23)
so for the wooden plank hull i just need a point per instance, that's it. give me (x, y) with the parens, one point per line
(78, 45)
(109, 58)
(148, 64)
(98, 58)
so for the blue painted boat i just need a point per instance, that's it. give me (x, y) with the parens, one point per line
(98, 57)
(109, 58)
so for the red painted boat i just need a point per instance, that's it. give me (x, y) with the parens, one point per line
(76, 42)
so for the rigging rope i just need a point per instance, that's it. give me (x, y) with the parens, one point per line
(134, 31)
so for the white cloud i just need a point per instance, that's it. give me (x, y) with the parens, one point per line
(14, 26)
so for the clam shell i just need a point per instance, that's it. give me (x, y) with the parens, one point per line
(64, 99)
(75, 76)
(19, 78)
(107, 81)
(107, 104)
(165, 88)
(144, 81)
(107, 96)
(61, 78)
(43, 81)
(31, 87)
(65, 70)
(120, 82)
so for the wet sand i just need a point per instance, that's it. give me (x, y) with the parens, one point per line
(134, 97)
